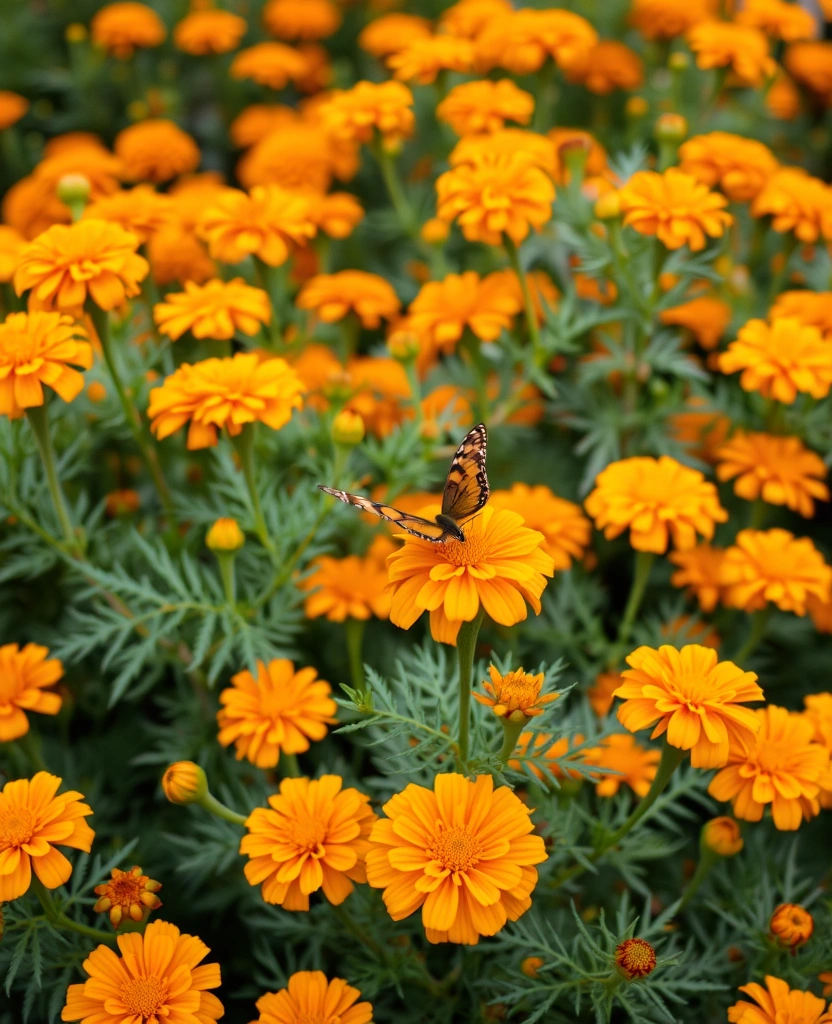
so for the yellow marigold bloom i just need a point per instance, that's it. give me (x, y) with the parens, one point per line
(700, 571)
(566, 529)
(495, 195)
(777, 19)
(69, 262)
(635, 958)
(176, 255)
(156, 150)
(192, 194)
(311, 997)
(184, 783)
(225, 535)
(423, 58)
(314, 835)
(141, 210)
(476, 107)
(36, 349)
(666, 19)
(777, 1002)
(515, 696)
(776, 566)
(273, 65)
(33, 823)
(780, 469)
(217, 309)
(608, 66)
(739, 167)
(156, 978)
(501, 565)
(12, 243)
(723, 44)
(123, 27)
(13, 106)
(692, 698)
(796, 202)
(230, 393)
(25, 675)
(354, 115)
(675, 207)
(550, 752)
(791, 925)
(280, 710)
(658, 500)
(780, 359)
(209, 31)
(262, 223)
(809, 64)
(301, 19)
(600, 694)
(523, 40)
(370, 297)
(351, 587)
(811, 308)
(706, 317)
(129, 894)
(462, 852)
(467, 18)
(391, 32)
(722, 836)
(635, 764)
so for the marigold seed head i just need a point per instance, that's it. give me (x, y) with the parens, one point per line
(531, 965)
(791, 926)
(185, 783)
(348, 428)
(129, 894)
(225, 535)
(722, 836)
(635, 958)
(515, 696)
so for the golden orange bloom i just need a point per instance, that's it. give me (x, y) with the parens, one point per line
(666, 19)
(301, 19)
(608, 66)
(521, 41)
(68, 262)
(811, 308)
(12, 243)
(129, 894)
(635, 958)
(550, 752)
(354, 115)
(216, 310)
(635, 764)
(25, 675)
(783, 99)
(600, 694)
(230, 393)
(706, 317)
(302, 156)
(314, 835)
(506, 143)
(156, 977)
(700, 571)
(723, 44)
(791, 925)
(36, 349)
(424, 57)
(225, 535)
(777, 19)
(33, 823)
(309, 997)
(270, 64)
(351, 587)
(280, 710)
(692, 698)
(467, 18)
(739, 167)
(809, 64)
(675, 207)
(336, 214)
(209, 31)
(184, 783)
(825, 977)
(780, 469)
(391, 32)
(476, 107)
(658, 500)
(262, 223)
(722, 836)
(820, 612)
(379, 388)
(796, 202)
(777, 1002)
(257, 121)
(462, 852)
(334, 296)
(775, 566)
(700, 429)
(13, 106)
(140, 210)
(176, 255)
(501, 566)
(515, 696)
(566, 529)
(123, 27)
(780, 359)
(819, 713)
(495, 195)
(156, 150)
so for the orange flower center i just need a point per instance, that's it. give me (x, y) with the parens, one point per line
(308, 834)
(636, 957)
(455, 848)
(21, 350)
(145, 997)
(518, 690)
(16, 827)
(125, 891)
(473, 551)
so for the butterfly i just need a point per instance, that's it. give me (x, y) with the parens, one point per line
(466, 491)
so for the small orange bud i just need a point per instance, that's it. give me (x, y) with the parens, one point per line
(129, 894)
(348, 428)
(74, 189)
(121, 503)
(670, 128)
(403, 345)
(791, 926)
(225, 535)
(531, 965)
(184, 783)
(636, 106)
(635, 958)
(722, 836)
(608, 206)
(96, 392)
(434, 231)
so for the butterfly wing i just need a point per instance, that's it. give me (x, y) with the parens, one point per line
(425, 529)
(466, 489)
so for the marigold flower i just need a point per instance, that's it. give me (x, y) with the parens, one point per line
(351, 587)
(467, 18)
(722, 836)
(209, 31)
(311, 997)
(675, 207)
(140, 210)
(690, 696)
(600, 694)
(476, 107)
(566, 529)
(777, 1002)
(521, 41)
(811, 308)
(543, 747)
(13, 106)
(501, 565)
(156, 150)
(33, 823)
(796, 202)
(257, 121)
(636, 765)
(723, 44)
(809, 64)
(780, 359)
(776, 566)
(177, 256)
(68, 262)
(273, 65)
(336, 214)
(700, 571)
(12, 243)
(25, 675)
(379, 388)
(777, 19)
(791, 925)
(301, 19)
(391, 32)
(780, 468)
(781, 766)
(353, 115)
(333, 296)
(262, 223)
(230, 393)
(506, 143)
(462, 852)
(739, 167)
(184, 783)
(280, 710)
(424, 57)
(156, 977)
(783, 98)
(706, 317)
(302, 157)
(608, 66)
(217, 309)
(635, 958)
(129, 894)
(666, 19)
(225, 535)
(515, 696)
(123, 27)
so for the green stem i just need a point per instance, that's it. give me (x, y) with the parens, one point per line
(225, 561)
(511, 734)
(759, 621)
(644, 564)
(60, 920)
(28, 743)
(244, 443)
(790, 244)
(707, 860)
(271, 281)
(528, 303)
(289, 767)
(40, 428)
(355, 640)
(466, 644)
(472, 346)
(210, 803)
(395, 190)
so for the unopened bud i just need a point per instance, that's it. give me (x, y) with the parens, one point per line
(722, 836)
(608, 206)
(75, 33)
(185, 783)
(434, 231)
(636, 107)
(635, 958)
(678, 61)
(670, 128)
(403, 345)
(348, 428)
(225, 535)
(74, 190)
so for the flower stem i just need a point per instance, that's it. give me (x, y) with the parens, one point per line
(39, 422)
(707, 860)
(759, 621)
(511, 734)
(531, 316)
(466, 643)
(210, 803)
(225, 561)
(59, 920)
(392, 182)
(644, 563)
(28, 743)
(289, 767)
(355, 641)
(244, 443)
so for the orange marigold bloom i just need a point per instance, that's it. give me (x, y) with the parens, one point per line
(780, 359)
(608, 66)
(809, 64)
(778, 19)
(392, 32)
(216, 310)
(209, 31)
(309, 997)
(467, 18)
(776, 566)
(129, 894)
(262, 223)
(700, 571)
(301, 19)
(353, 115)
(600, 694)
(791, 925)
(811, 308)
(699, 428)
(515, 696)
(501, 565)
(280, 710)
(506, 143)
(635, 764)
(25, 675)
(300, 156)
(351, 587)
(36, 349)
(722, 836)
(123, 27)
(738, 166)
(462, 852)
(12, 107)
(336, 214)
(379, 388)
(690, 696)
(156, 150)
(314, 835)
(141, 210)
(635, 958)
(777, 1002)
(552, 753)
(12, 243)
(783, 99)
(257, 121)
(185, 783)
(424, 57)
(176, 255)
(780, 468)
(658, 499)
(723, 44)
(273, 65)
(706, 317)
(33, 823)
(796, 202)
(476, 107)
(675, 207)
(333, 296)
(156, 977)
(230, 393)
(566, 529)
(819, 713)
(523, 40)
(68, 262)
(666, 19)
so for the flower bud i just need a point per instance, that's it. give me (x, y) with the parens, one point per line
(670, 128)
(403, 345)
(225, 535)
(185, 783)
(121, 503)
(678, 61)
(722, 836)
(96, 392)
(531, 965)
(348, 428)
(608, 206)
(75, 33)
(74, 190)
(635, 958)
(636, 107)
(791, 926)
(434, 231)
